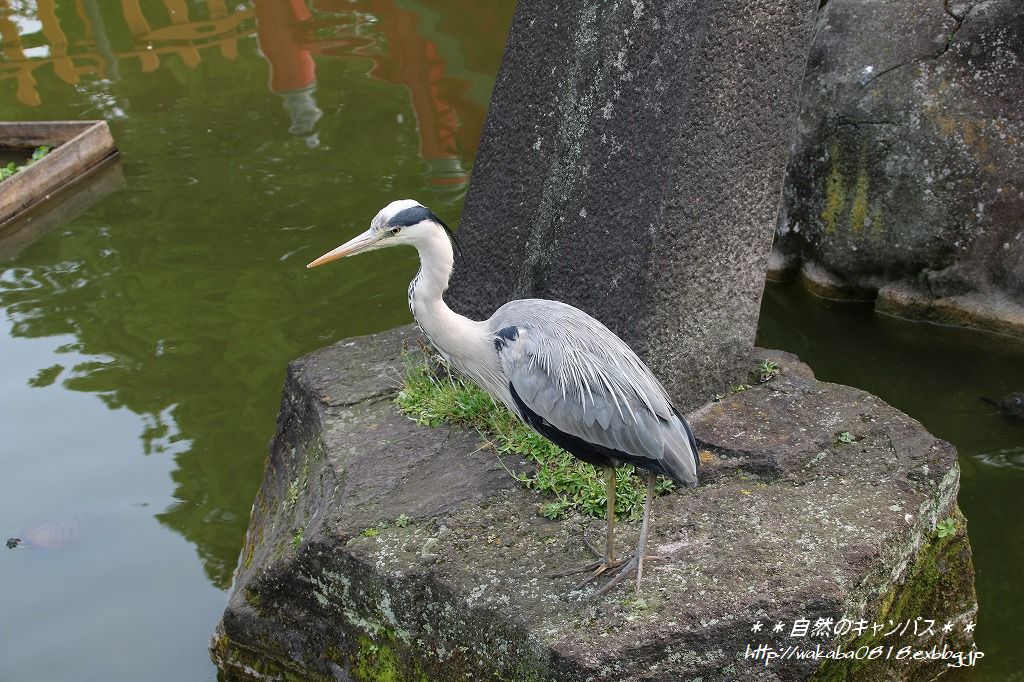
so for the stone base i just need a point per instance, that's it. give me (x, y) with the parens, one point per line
(826, 284)
(790, 522)
(994, 312)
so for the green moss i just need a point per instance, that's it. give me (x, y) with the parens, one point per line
(252, 598)
(877, 224)
(299, 483)
(377, 661)
(934, 587)
(835, 192)
(247, 553)
(435, 396)
(243, 663)
(859, 208)
(373, 663)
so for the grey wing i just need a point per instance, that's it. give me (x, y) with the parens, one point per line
(583, 380)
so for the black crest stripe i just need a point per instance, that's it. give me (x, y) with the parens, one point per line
(410, 216)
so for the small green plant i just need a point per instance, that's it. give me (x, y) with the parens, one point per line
(845, 438)
(371, 532)
(12, 168)
(433, 395)
(945, 528)
(297, 537)
(402, 521)
(766, 370)
(739, 388)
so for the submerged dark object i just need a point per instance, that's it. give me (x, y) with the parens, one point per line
(13, 542)
(1011, 406)
(56, 533)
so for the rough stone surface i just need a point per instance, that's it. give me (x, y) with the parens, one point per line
(631, 165)
(908, 165)
(789, 522)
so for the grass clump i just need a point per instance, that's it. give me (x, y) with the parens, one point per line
(766, 370)
(433, 394)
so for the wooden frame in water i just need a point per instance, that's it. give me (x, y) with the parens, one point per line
(76, 147)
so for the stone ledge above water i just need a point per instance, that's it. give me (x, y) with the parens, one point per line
(788, 523)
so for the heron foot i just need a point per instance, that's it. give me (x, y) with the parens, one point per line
(629, 567)
(595, 567)
(602, 564)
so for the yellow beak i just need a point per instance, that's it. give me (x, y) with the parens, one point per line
(354, 245)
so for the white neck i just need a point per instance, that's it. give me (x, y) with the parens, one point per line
(464, 342)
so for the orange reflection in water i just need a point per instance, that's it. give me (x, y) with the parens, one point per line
(92, 53)
(291, 34)
(404, 43)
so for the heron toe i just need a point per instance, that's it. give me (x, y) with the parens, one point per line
(629, 566)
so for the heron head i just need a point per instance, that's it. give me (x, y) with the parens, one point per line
(402, 222)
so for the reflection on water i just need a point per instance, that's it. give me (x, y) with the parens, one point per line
(404, 44)
(1004, 457)
(252, 138)
(84, 41)
(68, 204)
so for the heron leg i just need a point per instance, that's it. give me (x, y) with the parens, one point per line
(607, 561)
(609, 486)
(642, 544)
(636, 562)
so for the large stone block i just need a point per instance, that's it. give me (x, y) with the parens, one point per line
(908, 165)
(631, 165)
(794, 520)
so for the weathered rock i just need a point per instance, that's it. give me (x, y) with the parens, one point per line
(826, 284)
(790, 522)
(908, 164)
(631, 165)
(994, 311)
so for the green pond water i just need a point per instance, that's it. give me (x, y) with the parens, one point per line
(144, 334)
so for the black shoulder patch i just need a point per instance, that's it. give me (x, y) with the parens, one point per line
(410, 216)
(503, 336)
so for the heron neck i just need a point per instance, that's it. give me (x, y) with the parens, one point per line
(452, 334)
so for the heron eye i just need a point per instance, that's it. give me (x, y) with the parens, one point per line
(395, 230)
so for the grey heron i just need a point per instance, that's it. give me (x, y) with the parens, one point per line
(562, 372)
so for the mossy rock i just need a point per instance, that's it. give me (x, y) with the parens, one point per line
(790, 521)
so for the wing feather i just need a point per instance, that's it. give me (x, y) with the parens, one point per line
(585, 381)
